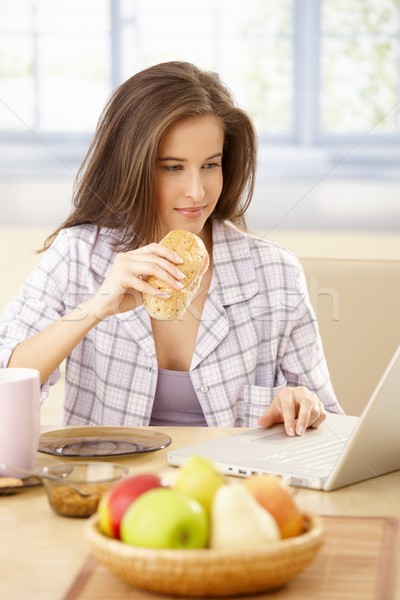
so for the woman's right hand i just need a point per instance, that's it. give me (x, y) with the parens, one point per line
(125, 282)
(120, 291)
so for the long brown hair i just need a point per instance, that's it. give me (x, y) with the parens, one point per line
(114, 186)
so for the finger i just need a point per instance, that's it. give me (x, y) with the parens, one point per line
(289, 409)
(156, 266)
(150, 290)
(138, 283)
(302, 420)
(320, 419)
(310, 409)
(134, 271)
(164, 280)
(281, 409)
(158, 250)
(271, 416)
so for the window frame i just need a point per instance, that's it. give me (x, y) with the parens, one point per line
(307, 152)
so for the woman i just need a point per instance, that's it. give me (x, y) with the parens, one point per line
(171, 151)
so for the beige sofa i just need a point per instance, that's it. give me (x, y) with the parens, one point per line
(354, 285)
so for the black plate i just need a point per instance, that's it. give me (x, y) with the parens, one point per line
(101, 441)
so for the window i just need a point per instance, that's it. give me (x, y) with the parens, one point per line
(250, 47)
(360, 77)
(54, 65)
(319, 77)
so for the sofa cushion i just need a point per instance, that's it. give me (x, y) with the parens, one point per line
(357, 303)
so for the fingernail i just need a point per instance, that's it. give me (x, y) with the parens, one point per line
(178, 259)
(181, 275)
(163, 295)
(180, 285)
(300, 430)
(291, 431)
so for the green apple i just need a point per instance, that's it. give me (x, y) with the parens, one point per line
(165, 518)
(199, 479)
(116, 501)
(239, 521)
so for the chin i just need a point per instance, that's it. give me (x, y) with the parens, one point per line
(195, 227)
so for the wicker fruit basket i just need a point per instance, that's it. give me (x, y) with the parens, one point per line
(206, 572)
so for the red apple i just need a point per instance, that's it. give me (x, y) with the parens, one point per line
(117, 500)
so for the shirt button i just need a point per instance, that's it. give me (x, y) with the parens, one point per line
(204, 389)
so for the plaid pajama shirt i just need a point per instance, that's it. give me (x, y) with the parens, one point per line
(257, 333)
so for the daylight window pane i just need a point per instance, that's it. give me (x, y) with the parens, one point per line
(55, 69)
(78, 16)
(251, 50)
(261, 73)
(176, 17)
(360, 78)
(15, 16)
(156, 48)
(261, 79)
(345, 17)
(359, 85)
(73, 82)
(16, 80)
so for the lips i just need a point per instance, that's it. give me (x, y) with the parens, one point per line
(193, 212)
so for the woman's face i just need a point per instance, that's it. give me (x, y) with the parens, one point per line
(188, 175)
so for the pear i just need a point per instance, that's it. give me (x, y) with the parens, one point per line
(238, 521)
(199, 478)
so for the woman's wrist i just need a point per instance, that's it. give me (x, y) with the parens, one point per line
(86, 312)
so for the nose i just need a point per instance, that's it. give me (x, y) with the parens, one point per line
(194, 187)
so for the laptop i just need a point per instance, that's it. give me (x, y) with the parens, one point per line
(342, 451)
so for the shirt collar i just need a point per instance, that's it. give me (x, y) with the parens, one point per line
(234, 273)
(103, 254)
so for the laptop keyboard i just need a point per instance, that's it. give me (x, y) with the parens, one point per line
(312, 457)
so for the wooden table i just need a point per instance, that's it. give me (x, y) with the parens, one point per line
(41, 553)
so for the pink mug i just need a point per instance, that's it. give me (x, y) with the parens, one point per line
(19, 419)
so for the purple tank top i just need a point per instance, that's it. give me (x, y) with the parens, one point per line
(175, 402)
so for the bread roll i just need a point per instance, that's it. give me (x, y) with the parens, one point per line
(195, 258)
(9, 482)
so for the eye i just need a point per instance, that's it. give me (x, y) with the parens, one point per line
(172, 168)
(211, 165)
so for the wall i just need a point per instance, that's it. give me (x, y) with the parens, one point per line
(366, 205)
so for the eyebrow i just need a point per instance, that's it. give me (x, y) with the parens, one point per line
(177, 159)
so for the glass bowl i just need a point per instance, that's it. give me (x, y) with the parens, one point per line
(63, 483)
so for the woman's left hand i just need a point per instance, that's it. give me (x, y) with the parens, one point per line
(296, 407)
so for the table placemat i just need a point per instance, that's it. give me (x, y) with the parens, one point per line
(356, 562)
